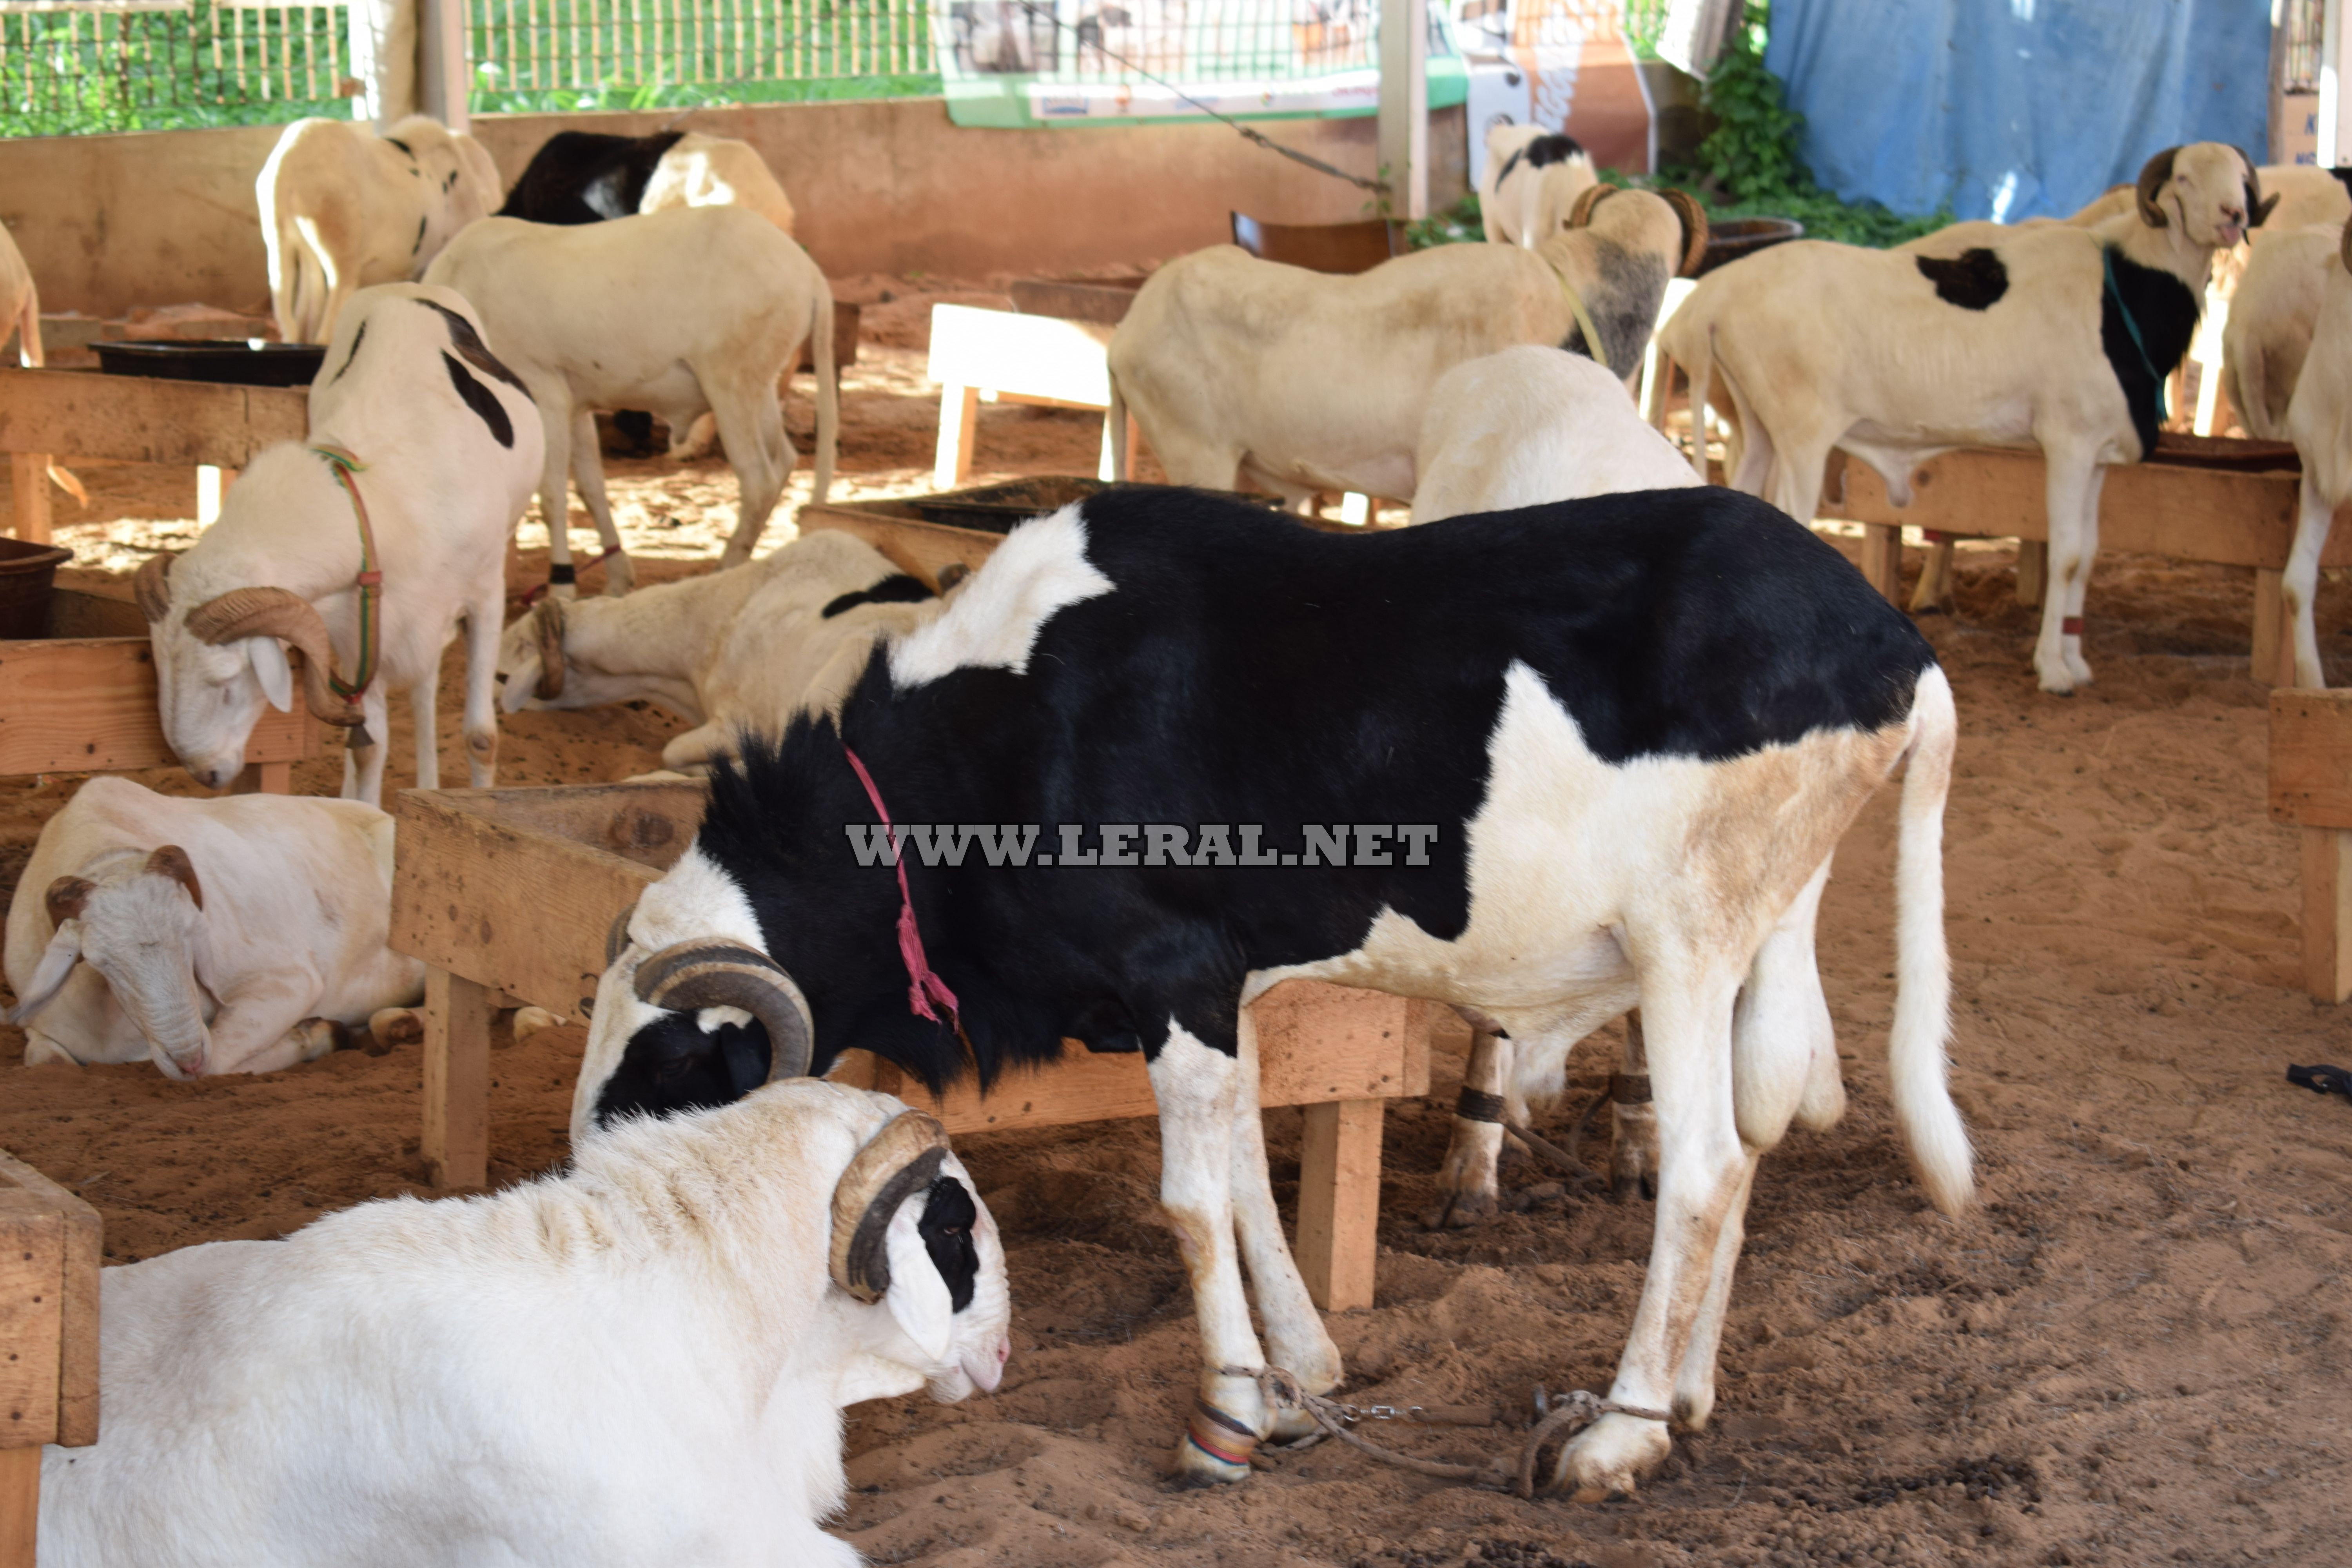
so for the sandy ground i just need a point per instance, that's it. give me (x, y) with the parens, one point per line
(2127, 1355)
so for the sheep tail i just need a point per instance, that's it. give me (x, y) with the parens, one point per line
(1917, 1067)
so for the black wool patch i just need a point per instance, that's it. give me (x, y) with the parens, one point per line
(587, 176)
(2343, 173)
(357, 339)
(473, 351)
(2164, 311)
(896, 589)
(481, 400)
(1541, 153)
(949, 1214)
(419, 243)
(672, 1065)
(1975, 280)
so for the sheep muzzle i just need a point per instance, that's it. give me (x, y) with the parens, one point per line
(716, 972)
(898, 1162)
(277, 613)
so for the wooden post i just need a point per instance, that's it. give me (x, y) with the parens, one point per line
(28, 488)
(212, 488)
(2032, 572)
(1339, 1202)
(2326, 913)
(457, 1144)
(959, 424)
(1403, 132)
(20, 1505)
(2273, 663)
(1882, 559)
(264, 778)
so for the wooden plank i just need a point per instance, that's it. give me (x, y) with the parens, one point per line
(29, 492)
(32, 1311)
(2327, 913)
(76, 1345)
(139, 419)
(1103, 301)
(88, 705)
(2273, 659)
(264, 778)
(20, 1505)
(1339, 1203)
(958, 425)
(2032, 572)
(1035, 356)
(1882, 560)
(916, 547)
(2311, 758)
(457, 1142)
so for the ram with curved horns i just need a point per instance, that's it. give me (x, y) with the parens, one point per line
(363, 549)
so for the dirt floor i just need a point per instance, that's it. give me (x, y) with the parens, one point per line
(2127, 1355)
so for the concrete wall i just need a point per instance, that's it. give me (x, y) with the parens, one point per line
(108, 223)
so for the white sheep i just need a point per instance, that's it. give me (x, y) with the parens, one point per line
(2268, 335)
(677, 312)
(642, 1359)
(702, 171)
(743, 648)
(1305, 382)
(2058, 338)
(342, 208)
(214, 936)
(448, 447)
(1531, 183)
(2319, 422)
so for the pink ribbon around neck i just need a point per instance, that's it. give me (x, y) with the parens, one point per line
(925, 986)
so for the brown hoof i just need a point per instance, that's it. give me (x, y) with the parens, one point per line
(1461, 1211)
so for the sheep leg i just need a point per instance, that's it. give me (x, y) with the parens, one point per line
(555, 485)
(265, 1025)
(1933, 594)
(363, 765)
(1295, 1335)
(1687, 1008)
(698, 747)
(1197, 1088)
(751, 433)
(1634, 1124)
(2300, 582)
(1467, 1182)
(2071, 500)
(482, 631)
(588, 468)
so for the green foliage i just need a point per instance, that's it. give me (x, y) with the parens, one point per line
(1456, 224)
(489, 99)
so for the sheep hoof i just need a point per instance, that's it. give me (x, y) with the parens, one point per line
(391, 1026)
(529, 1021)
(1462, 1211)
(316, 1038)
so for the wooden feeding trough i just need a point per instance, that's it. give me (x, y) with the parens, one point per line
(2227, 502)
(215, 430)
(1007, 356)
(82, 699)
(514, 892)
(2310, 789)
(50, 1247)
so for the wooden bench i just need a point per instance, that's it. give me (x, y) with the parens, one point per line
(2193, 501)
(1006, 356)
(50, 1249)
(213, 428)
(2310, 789)
(84, 699)
(514, 892)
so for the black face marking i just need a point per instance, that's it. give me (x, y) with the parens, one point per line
(896, 589)
(1975, 281)
(1539, 154)
(2164, 311)
(949, 1214)
(357, 339)
(420, 237)
(672, 1065)
(403, 147)
(481, 400)
(474, 352)
(586, 176)
(2343, 173)
(1623, 304)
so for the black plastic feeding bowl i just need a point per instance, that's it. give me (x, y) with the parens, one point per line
(1736, 236)
(242, 362)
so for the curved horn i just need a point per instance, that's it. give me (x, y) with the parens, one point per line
(716, 972)
(898, 1162)
(151, 588)
(65, 896)
(2344, 248)
(548, 622)
(616, 935)
(1591, 196)
(277, 613)
(2257, 209)
(1695, 229)
(2152, 177)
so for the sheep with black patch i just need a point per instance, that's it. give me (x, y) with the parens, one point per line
(1532, 183)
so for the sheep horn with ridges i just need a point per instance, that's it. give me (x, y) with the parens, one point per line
(547, 620)
(715, 972)
(901, 1159)
(150, 589)
(277, 613)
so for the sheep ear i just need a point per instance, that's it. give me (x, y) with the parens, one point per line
(2153, 176)
(50, 975)
(917, 1297)
(65, 896)
(276, 676)
(172, 861)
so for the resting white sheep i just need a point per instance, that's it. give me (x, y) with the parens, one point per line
(214, 936)
(677, 312)
(2319, 422)
(1532, 425)
(1531, 183)
(342, 208)
(448, 448)
(1306, 382)
(743, 648)
(2056, 337)
(644, 1360)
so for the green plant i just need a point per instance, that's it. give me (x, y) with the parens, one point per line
(1751, 155)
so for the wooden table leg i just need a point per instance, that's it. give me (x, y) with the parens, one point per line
(2273, 663)
(2327, 913)
(2032, 572)
(457, 1080)
(959, 424)
(1882, 559)
(1339, 1202)
(211, 487)
(20, 1505)
(264, 778)
(28, 485)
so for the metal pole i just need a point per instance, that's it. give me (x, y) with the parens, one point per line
(2335, 39)
(443, 82)
(1404, 106)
